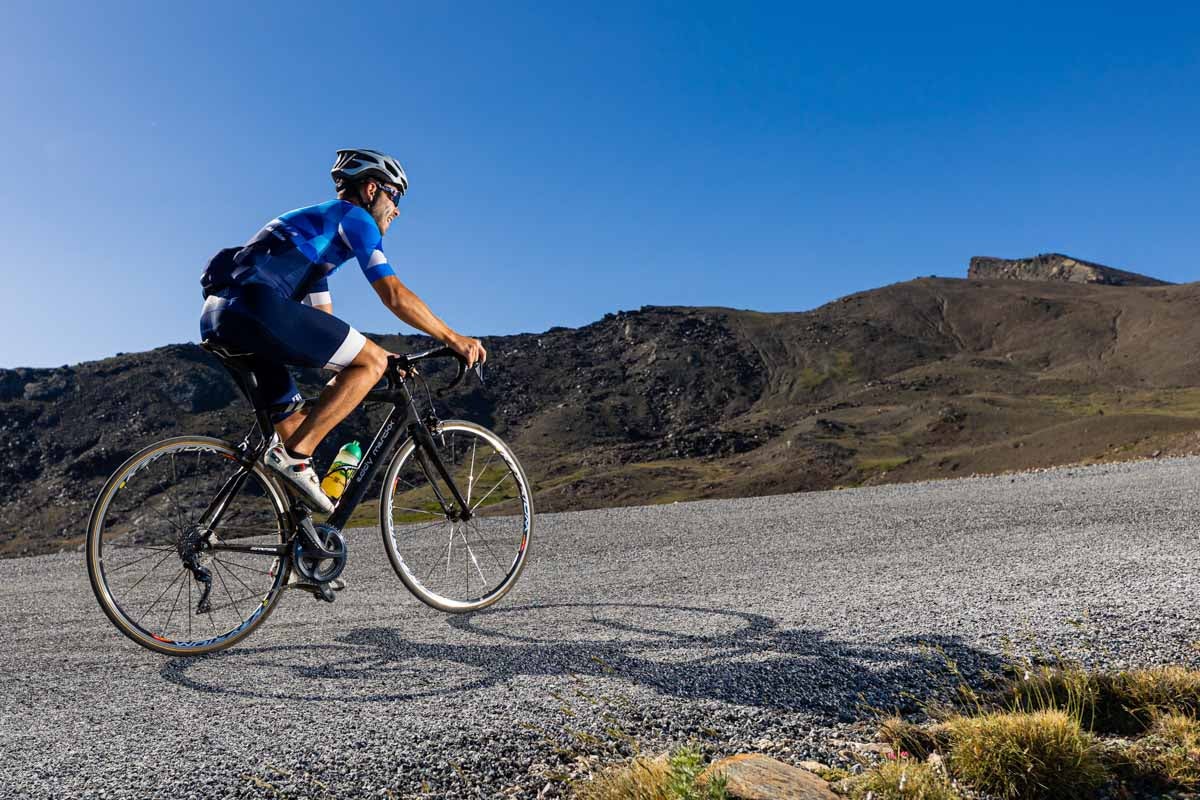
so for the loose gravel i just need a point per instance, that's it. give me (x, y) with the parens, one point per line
(774, 624)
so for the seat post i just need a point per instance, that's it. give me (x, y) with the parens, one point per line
(243, 375)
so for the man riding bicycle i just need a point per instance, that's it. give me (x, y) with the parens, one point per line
(270, 298)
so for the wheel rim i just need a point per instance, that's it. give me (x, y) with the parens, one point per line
(146, 524)
(457, 565)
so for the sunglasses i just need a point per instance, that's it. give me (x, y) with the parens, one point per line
(393, 194)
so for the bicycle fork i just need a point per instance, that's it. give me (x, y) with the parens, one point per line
(426, 453)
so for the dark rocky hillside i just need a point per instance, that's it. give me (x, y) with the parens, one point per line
(934, 377)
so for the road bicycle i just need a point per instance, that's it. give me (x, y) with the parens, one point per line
(192, 541)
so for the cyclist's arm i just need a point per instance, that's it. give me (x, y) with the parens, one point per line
(412, 310)
(360, 233)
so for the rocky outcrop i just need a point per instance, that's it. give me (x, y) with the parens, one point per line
(751, 776)
(1055, 267)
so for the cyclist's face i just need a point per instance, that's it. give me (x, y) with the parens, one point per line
(383, 209)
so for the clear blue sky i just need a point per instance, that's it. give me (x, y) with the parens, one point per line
(569, 160)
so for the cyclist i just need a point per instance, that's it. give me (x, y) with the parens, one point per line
(271, 298)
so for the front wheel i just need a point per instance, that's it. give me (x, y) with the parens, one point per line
(448, 563)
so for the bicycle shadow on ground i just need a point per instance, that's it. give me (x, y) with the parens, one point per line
(687, 652)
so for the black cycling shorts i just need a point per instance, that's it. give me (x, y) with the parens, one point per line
(278, 331)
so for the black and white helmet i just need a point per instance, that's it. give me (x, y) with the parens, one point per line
(357, 165)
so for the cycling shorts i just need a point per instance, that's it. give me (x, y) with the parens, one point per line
(278, 331)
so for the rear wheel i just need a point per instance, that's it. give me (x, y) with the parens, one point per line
(451, 564)
(146, 527)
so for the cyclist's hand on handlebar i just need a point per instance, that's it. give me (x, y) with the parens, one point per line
(390, 355)
(470, 349)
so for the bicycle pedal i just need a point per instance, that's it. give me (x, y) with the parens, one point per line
(321, 591)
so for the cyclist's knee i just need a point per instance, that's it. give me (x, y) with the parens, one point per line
(373, 358)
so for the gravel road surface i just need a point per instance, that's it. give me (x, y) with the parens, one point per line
(768, 623)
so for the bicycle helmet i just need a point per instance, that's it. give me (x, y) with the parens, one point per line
(358, 164)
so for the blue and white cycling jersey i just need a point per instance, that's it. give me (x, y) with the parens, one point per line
(296, 253)
(255, 295)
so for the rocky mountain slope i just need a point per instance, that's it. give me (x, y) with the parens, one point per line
(933, 377)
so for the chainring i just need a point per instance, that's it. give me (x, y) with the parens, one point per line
(315, 568)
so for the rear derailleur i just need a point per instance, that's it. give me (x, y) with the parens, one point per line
(189, 544)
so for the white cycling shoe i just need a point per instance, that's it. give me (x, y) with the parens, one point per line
(299, 474)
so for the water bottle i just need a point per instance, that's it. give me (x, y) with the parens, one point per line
(343, 466)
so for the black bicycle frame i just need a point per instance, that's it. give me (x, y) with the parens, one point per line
(378, 452)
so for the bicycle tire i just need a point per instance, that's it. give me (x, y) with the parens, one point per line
(157, 521)
(506, 520)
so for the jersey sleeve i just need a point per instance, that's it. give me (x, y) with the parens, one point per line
(318, 294)
(360, 233)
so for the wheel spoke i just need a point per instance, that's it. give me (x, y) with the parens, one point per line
(471, 472)
(507, 475)
(181, 521)
(242, 566)
(426, 526)
(234, 575)
(232, 605)
(163, 592)
(229, 594)
(487, 546)
(147, 575)
(167, 625)
(475, 561)
(154, 550)
(419, 511)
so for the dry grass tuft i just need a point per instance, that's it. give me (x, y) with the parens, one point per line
(919, 741)
(663, 778)
(642, 779)
(903, 779)
(1167, 756)
(1043, 754)
(1120, 703)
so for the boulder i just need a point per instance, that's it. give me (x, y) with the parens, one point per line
(49, 388)
(751, 776)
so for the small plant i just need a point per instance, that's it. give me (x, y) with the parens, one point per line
(1043, 754)
(674, 777)
(903, 779)
(686, 765)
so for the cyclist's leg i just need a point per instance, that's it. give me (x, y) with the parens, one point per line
(340, 397)
(288, 425)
